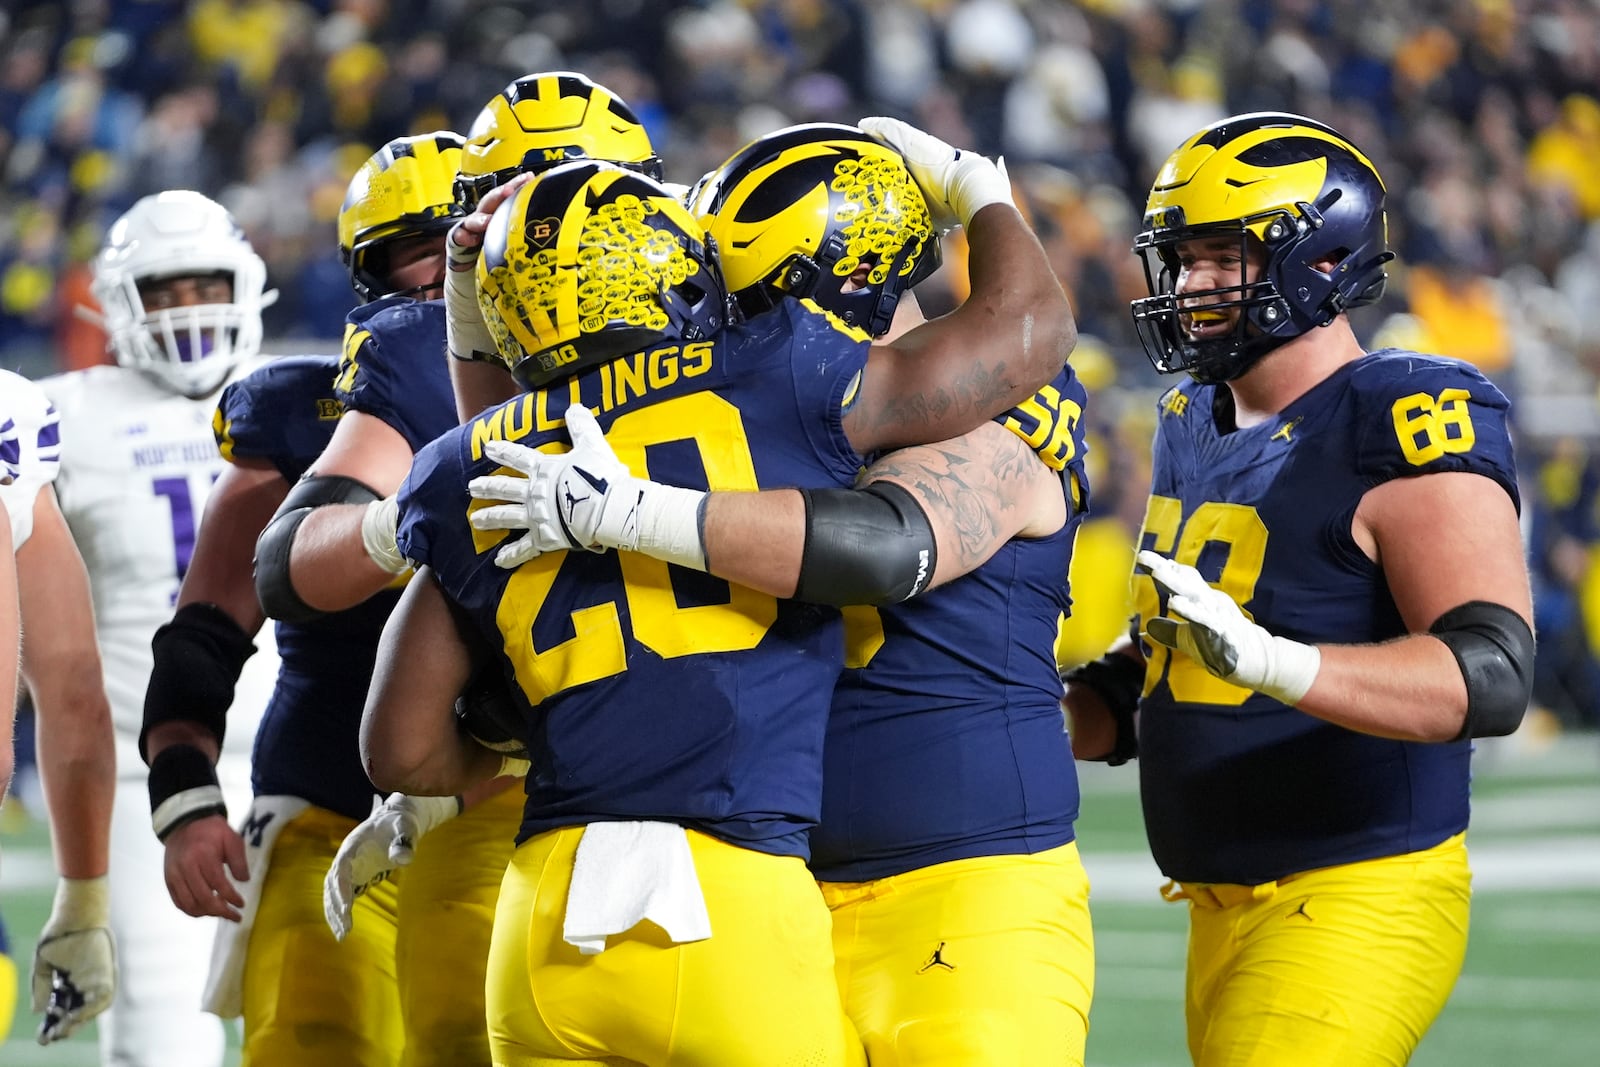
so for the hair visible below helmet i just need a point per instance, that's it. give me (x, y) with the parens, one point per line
(544, 120)
(589, 262)
(797, 212)
(1304, 194)
(406, 189)
(178, 234)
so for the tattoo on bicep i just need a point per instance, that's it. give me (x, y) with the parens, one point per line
(968, 498)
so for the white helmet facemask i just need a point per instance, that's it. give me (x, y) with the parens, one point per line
(180, 234)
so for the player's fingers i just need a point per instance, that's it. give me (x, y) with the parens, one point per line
(510, 454)
(1162, 631)
(582, 427)
(500, 517)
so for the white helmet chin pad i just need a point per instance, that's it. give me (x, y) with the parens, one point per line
(179, 233)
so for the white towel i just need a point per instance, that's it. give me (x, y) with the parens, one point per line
(627, 871)
(224, 993)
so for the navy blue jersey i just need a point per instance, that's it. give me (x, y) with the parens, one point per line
(1240, 788)
(946, 737)
(394, 367)
(663, 693)
(308, 742)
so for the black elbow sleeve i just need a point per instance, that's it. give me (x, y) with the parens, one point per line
(1494, 648)
(274, 587)
(197, 659)
(872, 545)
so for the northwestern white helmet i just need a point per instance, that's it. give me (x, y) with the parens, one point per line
(176, 234)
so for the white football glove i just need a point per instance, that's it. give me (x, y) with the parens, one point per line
(386, 840)
(587, 499)
(955, 184)
(75, 963)
(1215, 633)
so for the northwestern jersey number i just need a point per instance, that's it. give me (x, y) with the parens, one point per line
(1236, 526)
(598, 648)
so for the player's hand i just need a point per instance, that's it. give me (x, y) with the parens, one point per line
(75, 963)
(464, 241)
(577, 499)
(466, 336)
(956, 184)
(386, 840)
(1215, 633)
(200, 855)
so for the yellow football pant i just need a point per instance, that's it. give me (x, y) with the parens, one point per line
(308, 999)
(406, 986)
(1343, 966)
(759, 992)
(447, 904)
(969, 963)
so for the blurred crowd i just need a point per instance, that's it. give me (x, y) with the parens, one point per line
(1482, 115)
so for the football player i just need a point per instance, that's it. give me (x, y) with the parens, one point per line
(678, 740)
(74, 970)
(949, 794)
(181, 291)
(1332, 601)
(373, 999)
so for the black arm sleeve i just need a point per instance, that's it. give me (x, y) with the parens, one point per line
(872, 545)
(278, 596)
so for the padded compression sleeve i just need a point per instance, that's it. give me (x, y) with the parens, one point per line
(872, 545)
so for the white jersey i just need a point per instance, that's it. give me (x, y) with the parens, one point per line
(137, 464)
(30, 449)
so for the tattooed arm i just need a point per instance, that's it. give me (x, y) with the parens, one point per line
(979, 491)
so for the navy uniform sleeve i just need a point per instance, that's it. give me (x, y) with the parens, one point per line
(826, 362)
(1427, 415)
(393, 368)
(432, 492)
(284, 414)
(1051, 422)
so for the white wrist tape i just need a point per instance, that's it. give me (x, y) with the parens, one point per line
(378, 523)
(975, 183)
(465, 333)
(663, 521)
(81, 903)
(1288, 670)
(180, 807)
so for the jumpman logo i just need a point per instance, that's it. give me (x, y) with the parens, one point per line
(599, 485)
(936, 960)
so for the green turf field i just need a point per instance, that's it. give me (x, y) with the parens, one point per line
(1530, 993)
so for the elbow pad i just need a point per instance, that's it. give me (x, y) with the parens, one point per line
(274, 589)
(197, 660)
(1493, 647)
(872, 545)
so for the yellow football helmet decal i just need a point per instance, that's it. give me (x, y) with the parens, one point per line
(591, 261)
